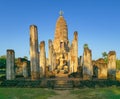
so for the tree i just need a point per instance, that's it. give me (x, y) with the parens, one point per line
(85, 45)
(25, 57)
(3, 61)
(105, 55)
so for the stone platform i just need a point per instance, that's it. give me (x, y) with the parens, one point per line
(63, 84)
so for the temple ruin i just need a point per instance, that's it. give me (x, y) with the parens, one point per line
(63, 59)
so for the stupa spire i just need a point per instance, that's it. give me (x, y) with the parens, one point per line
(61, 13)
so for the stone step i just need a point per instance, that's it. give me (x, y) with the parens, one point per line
(63, 88)
(63, 85)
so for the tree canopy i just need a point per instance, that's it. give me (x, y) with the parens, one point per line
(105, 56)
(3, 61)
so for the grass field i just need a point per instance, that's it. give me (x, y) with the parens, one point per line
(25, 93)
(38, 93)
(98, 93)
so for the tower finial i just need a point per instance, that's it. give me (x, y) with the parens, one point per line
(61, 13)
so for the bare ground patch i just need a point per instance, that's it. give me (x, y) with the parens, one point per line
(63, 94)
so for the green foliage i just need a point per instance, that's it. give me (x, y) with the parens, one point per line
(85, 46)
(25, 57)
(2, 61)
(118, 64)
(105, 56)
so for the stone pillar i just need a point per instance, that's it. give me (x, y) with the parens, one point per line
(71, 69)
(74, 54)
(87, 64)
(34, 53)
(81, 61)
(53, 61)
(50, 55)
(112, 65)
(10, 65)
(25, 69)
(42, 59)
(76, 51)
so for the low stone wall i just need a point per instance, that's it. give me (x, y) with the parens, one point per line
(97, 83)
(50, 83)
(118, 75)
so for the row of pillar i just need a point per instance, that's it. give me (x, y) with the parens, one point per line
(38, 59)
(108, 72)
(10, 66)
(51, 55)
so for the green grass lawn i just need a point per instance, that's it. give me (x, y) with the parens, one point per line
(25, 93)
(98, 93)
(39, 93)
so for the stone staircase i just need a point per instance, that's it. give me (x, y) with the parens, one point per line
(63, 84)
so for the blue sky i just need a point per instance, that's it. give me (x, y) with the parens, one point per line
(97, 23)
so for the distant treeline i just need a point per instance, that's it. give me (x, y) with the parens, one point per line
(3, 61)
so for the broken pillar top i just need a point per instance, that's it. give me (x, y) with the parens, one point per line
(42, 44)
(112, 53)
(75, 33)
(33, 26)
(10, 50)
